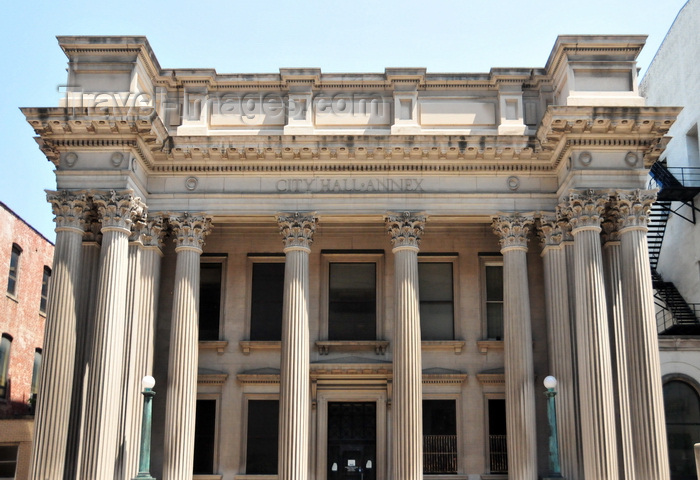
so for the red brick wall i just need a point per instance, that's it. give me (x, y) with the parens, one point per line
(19, 314)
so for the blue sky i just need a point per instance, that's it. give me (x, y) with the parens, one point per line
(254, 37)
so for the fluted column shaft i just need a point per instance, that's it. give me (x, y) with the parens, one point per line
(517, 339)
(613, 284)
(144, 278)
(561, 354)
(99, 443)
(295, 395)
(595, 370)
(647, 409)
(407, 404)
(181, 403)
(53, 403)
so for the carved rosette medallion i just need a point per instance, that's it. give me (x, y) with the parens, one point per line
(190, 230)
(69, 209)
(587, 209)
(551, 231)
(405, 229)
(118, 210)
(611, 233)
(512, 231)
(297, 229)
(634, 208)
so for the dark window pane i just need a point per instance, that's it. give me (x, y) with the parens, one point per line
(494, 320)
(436, 305)
(209, 300)
(352, 301)
(14, 266)
(494, 283)
(498, 451)
(261, 450)
(44, 289)
(266, 302)
(682, 406)
(439, 437)
(8, 461)
(204, 435)
(36, 371)
(5, 345)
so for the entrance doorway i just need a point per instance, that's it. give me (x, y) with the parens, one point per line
(352, 440)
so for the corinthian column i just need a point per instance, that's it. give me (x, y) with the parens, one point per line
(405, 230)
(181, 404)
(517, 339)
(144, 279)
(595, 371)
(293, 450)
(618, 354)
(647, 409)
(561, 354)
(54, 400)
(117, 211)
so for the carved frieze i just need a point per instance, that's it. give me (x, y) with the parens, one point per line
(297, 228)
(405, 228)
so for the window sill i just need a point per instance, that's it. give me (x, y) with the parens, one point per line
(207, 477)
(218, 345)
(445, 476)
(12, 297)
(456, 345)
(248, 346)
(379, 346)
(494, 476)
(486, 345)
(255, 477)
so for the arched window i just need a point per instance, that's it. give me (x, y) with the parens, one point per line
(682, 406)
(14, 270)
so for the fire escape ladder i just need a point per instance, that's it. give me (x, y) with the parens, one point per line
(674, 315)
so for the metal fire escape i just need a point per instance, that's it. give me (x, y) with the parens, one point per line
(674, 315)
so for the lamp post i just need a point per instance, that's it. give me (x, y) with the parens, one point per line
(550, 383)
(148, 383)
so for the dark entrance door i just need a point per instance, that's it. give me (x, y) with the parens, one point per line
(352, 440)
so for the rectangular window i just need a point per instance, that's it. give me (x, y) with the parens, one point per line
(204, 437)
(352, 301)
(498, 452)
(14, 270)
(435, 286)
(261, 441)
(5, 346)
(439, 437)
(8, 461)
(44, 289)
(494, 301)
(210, 299)
(266, 301)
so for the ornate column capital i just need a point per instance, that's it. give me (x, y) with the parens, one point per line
(148, 231)
(563, 213)
(634, 207)
(405, 228)
(117, 210)
(551, 231)
(512, 231)
(587, 207)
(69, 208)
(610, 226)
(190, 230)
(297, 229)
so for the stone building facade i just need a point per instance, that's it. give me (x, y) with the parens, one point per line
(27, 258)
(345, 276)
(672, 79)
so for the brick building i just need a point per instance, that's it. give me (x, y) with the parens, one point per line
(26, 256)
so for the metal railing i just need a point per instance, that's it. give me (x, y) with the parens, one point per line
(665, 319)
(498, 454)
(439, 454)
(679, 176)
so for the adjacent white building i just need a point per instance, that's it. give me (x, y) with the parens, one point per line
(352, 276)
